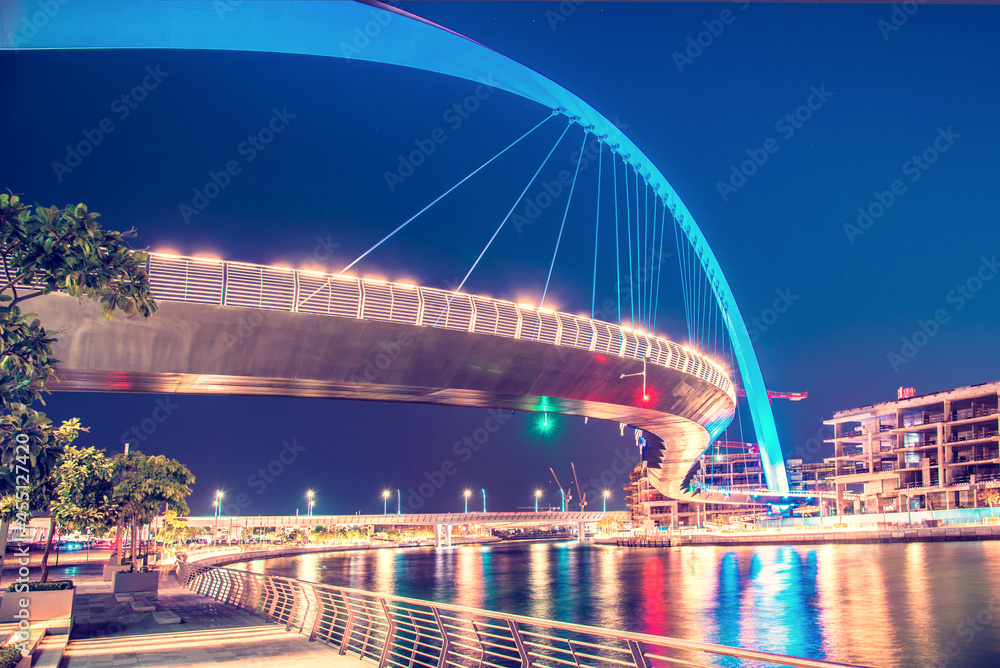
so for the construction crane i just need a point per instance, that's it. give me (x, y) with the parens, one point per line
(583, 497)
(772, 395)
(566, 493)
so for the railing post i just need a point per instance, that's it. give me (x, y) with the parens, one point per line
(445, 641)
(515, 632)
(348, 625)
(390, 634)
(638, 657)
(482, 647)
(295, 607)
(416, 638)
(225, 284)
(320, 610)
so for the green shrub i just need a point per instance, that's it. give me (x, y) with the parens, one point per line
(10, 656)
(40, 586)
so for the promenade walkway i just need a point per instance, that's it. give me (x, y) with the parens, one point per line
(109, 634)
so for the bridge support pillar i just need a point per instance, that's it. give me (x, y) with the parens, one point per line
(437, 535)
(447, 534)
(581, 531)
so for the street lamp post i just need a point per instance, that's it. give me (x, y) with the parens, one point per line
(467, 493)
(538, 493)
(607, 493)
(385, 501)
(399, 503)
(218, 513)
(563, 494)
(484, 501)
(309, 495)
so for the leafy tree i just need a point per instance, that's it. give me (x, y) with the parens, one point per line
(51, 249)
(992, 499)
(34, 461)
(83, 490)
(143, 485)
(174, 529)
(45, 250)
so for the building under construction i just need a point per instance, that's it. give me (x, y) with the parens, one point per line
(733, 465)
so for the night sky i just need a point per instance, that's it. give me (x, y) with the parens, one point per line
(317, 196)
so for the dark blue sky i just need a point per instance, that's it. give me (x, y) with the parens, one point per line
(856, 294)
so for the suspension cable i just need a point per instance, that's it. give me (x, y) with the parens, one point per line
(618, 255)
(509, 213)
(628, 238)
(597, 228)
(443, 195)
(660, 263)
(638, 256)
(651, 270)
(681, 270)
(569, 199)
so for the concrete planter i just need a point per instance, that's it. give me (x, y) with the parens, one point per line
(127, 583)
(41, 605)
(111, 569)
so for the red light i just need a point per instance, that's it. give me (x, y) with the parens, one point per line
(645, 397)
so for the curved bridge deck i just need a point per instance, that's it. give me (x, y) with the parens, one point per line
(235, 328)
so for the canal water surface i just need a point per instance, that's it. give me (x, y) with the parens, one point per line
(897, 605)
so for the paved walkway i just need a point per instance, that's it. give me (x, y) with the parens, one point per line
(108, 634)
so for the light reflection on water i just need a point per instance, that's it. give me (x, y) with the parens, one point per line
(897, 605)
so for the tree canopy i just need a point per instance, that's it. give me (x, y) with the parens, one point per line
(47, 249)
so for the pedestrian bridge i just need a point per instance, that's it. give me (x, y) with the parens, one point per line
(236, 328)
(442, 522)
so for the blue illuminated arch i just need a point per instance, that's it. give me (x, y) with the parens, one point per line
(382, 34)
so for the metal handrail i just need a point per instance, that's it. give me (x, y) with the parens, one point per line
(204, 281)
(395, 630)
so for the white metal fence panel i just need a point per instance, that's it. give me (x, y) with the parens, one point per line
(240, 284)
(181, 279)
(255, 286)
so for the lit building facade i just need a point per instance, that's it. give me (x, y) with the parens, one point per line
(930, 452)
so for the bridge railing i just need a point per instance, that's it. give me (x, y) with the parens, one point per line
(205, 281)
(410, 633)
